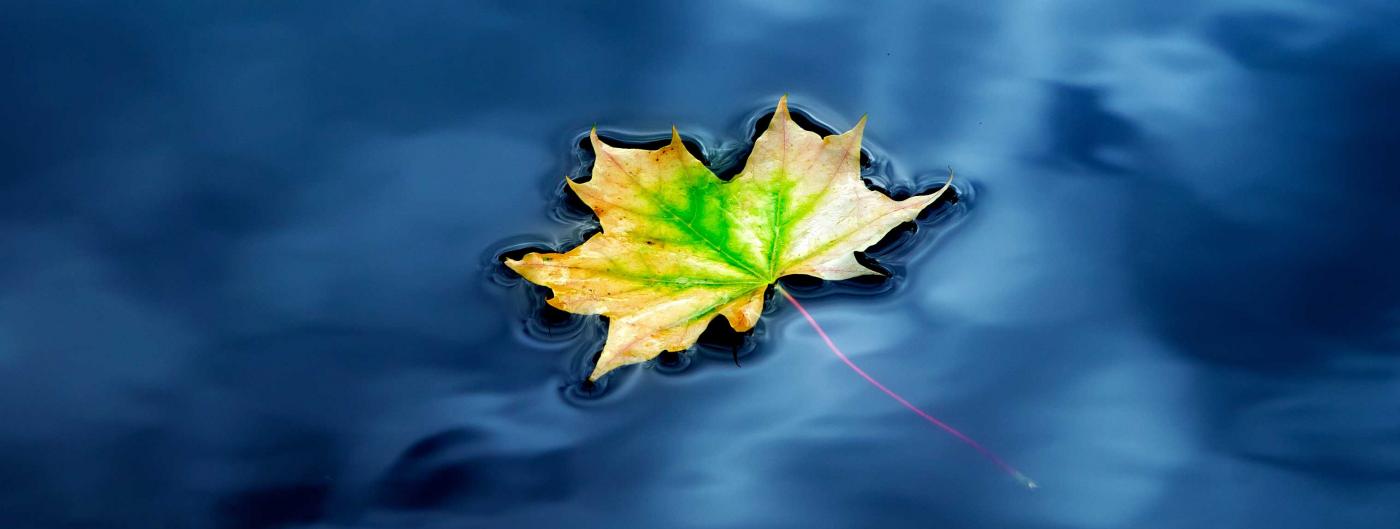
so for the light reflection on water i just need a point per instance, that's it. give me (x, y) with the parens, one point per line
(249, 278)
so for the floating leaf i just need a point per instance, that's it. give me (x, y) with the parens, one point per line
(680, 246)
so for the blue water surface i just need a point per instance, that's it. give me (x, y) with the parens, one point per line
(251, 279)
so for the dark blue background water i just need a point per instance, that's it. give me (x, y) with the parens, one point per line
(248, 274)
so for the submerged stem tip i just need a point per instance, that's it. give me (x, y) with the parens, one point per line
(1026, 480)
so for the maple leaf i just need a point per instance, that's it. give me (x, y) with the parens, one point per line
(680, 246)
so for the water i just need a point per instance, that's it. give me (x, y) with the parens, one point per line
(250, 274)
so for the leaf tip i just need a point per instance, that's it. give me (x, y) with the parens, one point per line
(947, 184)
(855, 135)
(514, 264)
(675, 136)
(575, 186)
(781, 113)
(599, 370)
